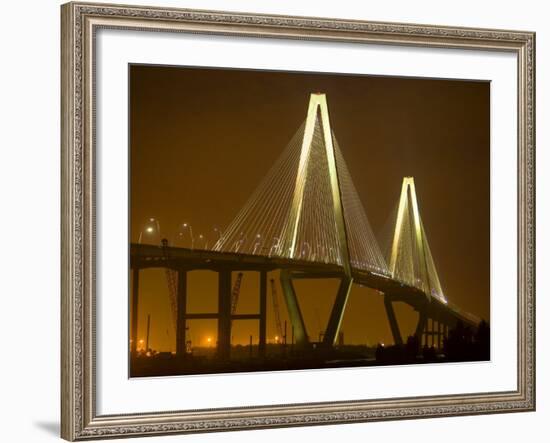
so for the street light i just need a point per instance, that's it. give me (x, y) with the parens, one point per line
(258, 244)
(150, 232)
(274, 246)
(201, 243)
(217, 237)
(240, 242)
(184, 236)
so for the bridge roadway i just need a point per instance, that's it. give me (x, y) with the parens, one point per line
(183, 260)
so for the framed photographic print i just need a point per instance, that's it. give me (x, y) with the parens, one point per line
(284, 221)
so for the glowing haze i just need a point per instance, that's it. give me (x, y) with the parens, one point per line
(203, 139)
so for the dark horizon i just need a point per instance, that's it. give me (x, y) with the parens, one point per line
(195, 157)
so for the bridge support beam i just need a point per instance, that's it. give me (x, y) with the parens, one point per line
(397, 339)
(135, 302)
(263, 313)
(337, 313)
(294, 312)
(421, 325)
(224, 311)
(181, 321)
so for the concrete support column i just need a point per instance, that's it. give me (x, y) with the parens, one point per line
(421, 325)
(397, 339)
(263, 313)
(294, 313)
(181, 320)
(224, 314)
(337, 313)
(135, 302)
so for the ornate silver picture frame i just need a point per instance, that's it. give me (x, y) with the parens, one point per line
(80, 23)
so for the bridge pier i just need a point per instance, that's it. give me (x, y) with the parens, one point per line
(435, 331)
(135, 302)
(263, 314)
(224, 314)
(294, 312)
(421, 325)
(181, 320)
(337, 313)
(397, 339)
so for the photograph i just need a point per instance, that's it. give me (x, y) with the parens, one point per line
(283, 220)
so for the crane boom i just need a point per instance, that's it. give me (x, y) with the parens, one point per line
(276, 312)
(235, 293)
(172, 280)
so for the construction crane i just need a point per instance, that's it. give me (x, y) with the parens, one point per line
(276, 309)
(235, 293)
(172, 279)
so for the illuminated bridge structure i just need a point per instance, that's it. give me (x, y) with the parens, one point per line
(306, 220)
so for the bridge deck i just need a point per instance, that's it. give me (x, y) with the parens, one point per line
(151, 256)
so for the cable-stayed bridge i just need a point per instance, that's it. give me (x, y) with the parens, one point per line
(306, 220)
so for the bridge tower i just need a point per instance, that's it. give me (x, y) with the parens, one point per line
(318, 141)
(411, 260)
